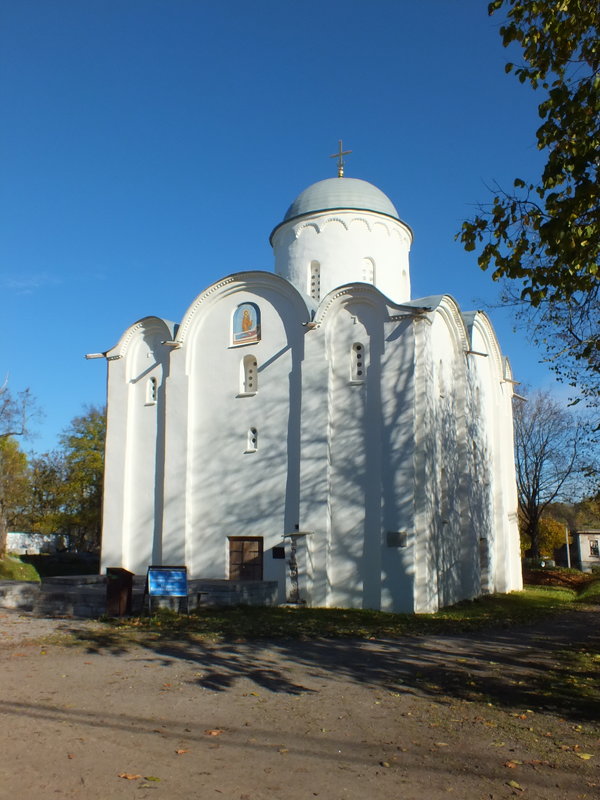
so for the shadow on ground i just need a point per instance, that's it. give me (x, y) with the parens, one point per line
(552, 665)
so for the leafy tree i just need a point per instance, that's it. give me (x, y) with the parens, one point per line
(83, 448)
(48, 489)
(551, 536)
(16, 412)
(554, 459)
(14, 486)
(544, 238)
(578, 516)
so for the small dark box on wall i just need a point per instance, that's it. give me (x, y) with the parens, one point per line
(397, 539)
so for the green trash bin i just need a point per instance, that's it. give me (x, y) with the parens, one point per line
(119, 591)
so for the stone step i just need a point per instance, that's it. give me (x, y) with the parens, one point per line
(19, 594)
(85, 595)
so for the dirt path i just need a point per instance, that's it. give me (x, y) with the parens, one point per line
(413, 718)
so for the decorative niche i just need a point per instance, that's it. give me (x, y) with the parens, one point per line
(245, 325)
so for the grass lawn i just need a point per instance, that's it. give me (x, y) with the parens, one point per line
(13, 569)
(251, 622)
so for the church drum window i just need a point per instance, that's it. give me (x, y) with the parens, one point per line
(368, 270)
(314, 281)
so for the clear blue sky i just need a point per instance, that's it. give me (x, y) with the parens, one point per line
(149, 147)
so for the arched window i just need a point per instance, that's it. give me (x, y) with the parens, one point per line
(248, 375)
(368, 270)
(151, 391)
(357, 362)
(252, 442)
(314, 281)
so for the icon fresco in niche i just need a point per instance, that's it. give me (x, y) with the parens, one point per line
(246, 324)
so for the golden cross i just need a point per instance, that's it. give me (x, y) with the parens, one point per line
(340, 157)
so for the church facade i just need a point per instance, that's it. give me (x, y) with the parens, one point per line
(317, 427)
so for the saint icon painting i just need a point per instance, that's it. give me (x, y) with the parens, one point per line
(246, 324)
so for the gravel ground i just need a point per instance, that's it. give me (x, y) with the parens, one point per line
(88, 715)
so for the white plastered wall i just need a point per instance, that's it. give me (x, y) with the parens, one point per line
(349, 246)
(132, 514)
(453, 546)
(216, 487)
(357, 437)
(493, 396)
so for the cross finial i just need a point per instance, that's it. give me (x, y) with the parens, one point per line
(340, 157)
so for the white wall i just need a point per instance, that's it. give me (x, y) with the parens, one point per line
(132, 514)
(348, 245)
(225, 489)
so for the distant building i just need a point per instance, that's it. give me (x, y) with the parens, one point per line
(35, 543)
(588, 549)
(318, 427)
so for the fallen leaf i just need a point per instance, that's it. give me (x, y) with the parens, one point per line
(515, 785)
(585, 756)
(128, 776)
(180, 752)
(150, 778)
(70, 755)
(442, 744)
(213, 732)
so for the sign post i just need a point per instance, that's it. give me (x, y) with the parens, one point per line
(167, 582)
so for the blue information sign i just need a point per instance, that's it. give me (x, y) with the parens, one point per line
(167, 581)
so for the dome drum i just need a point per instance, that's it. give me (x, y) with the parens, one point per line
(349, 231)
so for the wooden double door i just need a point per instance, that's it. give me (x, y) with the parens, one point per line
(245, 558)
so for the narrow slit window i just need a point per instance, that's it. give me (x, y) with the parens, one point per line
(314, 281)
(252, 443)
(368, 270)
(151, 391)
(249, 375)
(357, 362)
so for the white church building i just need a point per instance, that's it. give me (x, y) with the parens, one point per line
(317, 427)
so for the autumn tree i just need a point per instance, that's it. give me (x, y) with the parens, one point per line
(83, 451)
(48, 490)
(14, 486)
(542, 238)
(579, 515)
(554, 459)
(16, 413)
